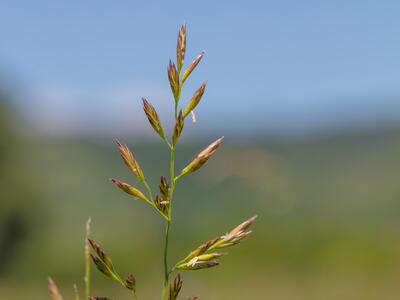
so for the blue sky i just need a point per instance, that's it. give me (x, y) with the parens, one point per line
(271, 65)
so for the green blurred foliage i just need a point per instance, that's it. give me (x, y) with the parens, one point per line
(328, 209)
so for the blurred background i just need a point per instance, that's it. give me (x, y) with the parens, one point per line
(306, 94)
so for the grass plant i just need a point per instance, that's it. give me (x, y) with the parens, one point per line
(209, 253)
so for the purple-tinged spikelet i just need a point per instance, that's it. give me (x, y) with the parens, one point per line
(178, 128)
(201, 158)
(130, 282)
(194, 100)
(173, 77)
(175, 288)
(153, 118)
(129, 189)
(130, 160)
(181, 47)
(192, 66)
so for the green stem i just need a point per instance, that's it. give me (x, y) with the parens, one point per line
(166, 271)
(87, 260)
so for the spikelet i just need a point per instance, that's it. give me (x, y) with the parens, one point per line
(201, 158)
(178, 128)
(130, 282)
(129, 189)
(102, 261)
(130, 160)
(181, 47)
(162, 206)
(203, 257)
(164, 189)
(202, 249)
(152, 115)
(173, 77)
(194, 100)
(198, 265)
(101, 266)
(235, 235)
(101, 255)
(192, 66)
(175, 288)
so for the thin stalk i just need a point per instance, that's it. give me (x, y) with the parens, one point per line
(176, 110)
(148, 189)
(167, 272)
(87, 260)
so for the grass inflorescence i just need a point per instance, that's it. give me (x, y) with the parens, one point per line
(209, 253)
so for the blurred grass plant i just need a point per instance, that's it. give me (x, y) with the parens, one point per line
(206, 255)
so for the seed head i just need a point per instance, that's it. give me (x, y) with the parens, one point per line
(129, 189)
(130, 161)
(153, 117)
(192, 66)
(201, 158)
(178, 128)
(195, 100)
(173, 77)
(181, 47)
